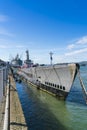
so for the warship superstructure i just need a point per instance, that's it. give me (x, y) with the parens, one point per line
(16, 62)
(28, 62)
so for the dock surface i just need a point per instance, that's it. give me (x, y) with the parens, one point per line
(17, 119)
(2, 112)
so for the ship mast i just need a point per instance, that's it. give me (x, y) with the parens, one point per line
(28, 62)
(27, 55)
(51, 58)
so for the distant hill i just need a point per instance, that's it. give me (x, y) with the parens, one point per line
(83, 63)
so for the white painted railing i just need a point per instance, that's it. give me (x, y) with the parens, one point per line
(6, 116)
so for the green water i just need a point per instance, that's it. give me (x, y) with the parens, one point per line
(45, 112)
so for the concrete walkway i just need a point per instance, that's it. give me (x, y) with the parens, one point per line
(2, 110)
(17, 119)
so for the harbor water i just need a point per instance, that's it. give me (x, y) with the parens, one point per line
(44, 112)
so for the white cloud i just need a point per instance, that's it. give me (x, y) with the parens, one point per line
(20, 46)
(82, 40)
(5, 32)
(76, 44)
(3, 46)
(3, 18)
(76, 52)
(70, 46)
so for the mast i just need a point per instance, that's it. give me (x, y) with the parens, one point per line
(28, 62)
(51, 58)
(27, 55)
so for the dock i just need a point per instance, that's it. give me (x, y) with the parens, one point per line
(2, 112)
(16, 119)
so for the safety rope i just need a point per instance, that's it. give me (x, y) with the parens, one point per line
(83, 87)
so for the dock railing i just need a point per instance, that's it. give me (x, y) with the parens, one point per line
(6, 125)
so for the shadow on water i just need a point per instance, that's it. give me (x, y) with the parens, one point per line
(42, 111)
(76, 94)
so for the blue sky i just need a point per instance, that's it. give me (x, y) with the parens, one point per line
(44, 26)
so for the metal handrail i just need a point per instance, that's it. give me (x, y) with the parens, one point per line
(6, 116)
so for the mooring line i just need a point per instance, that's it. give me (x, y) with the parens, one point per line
(83, 87)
